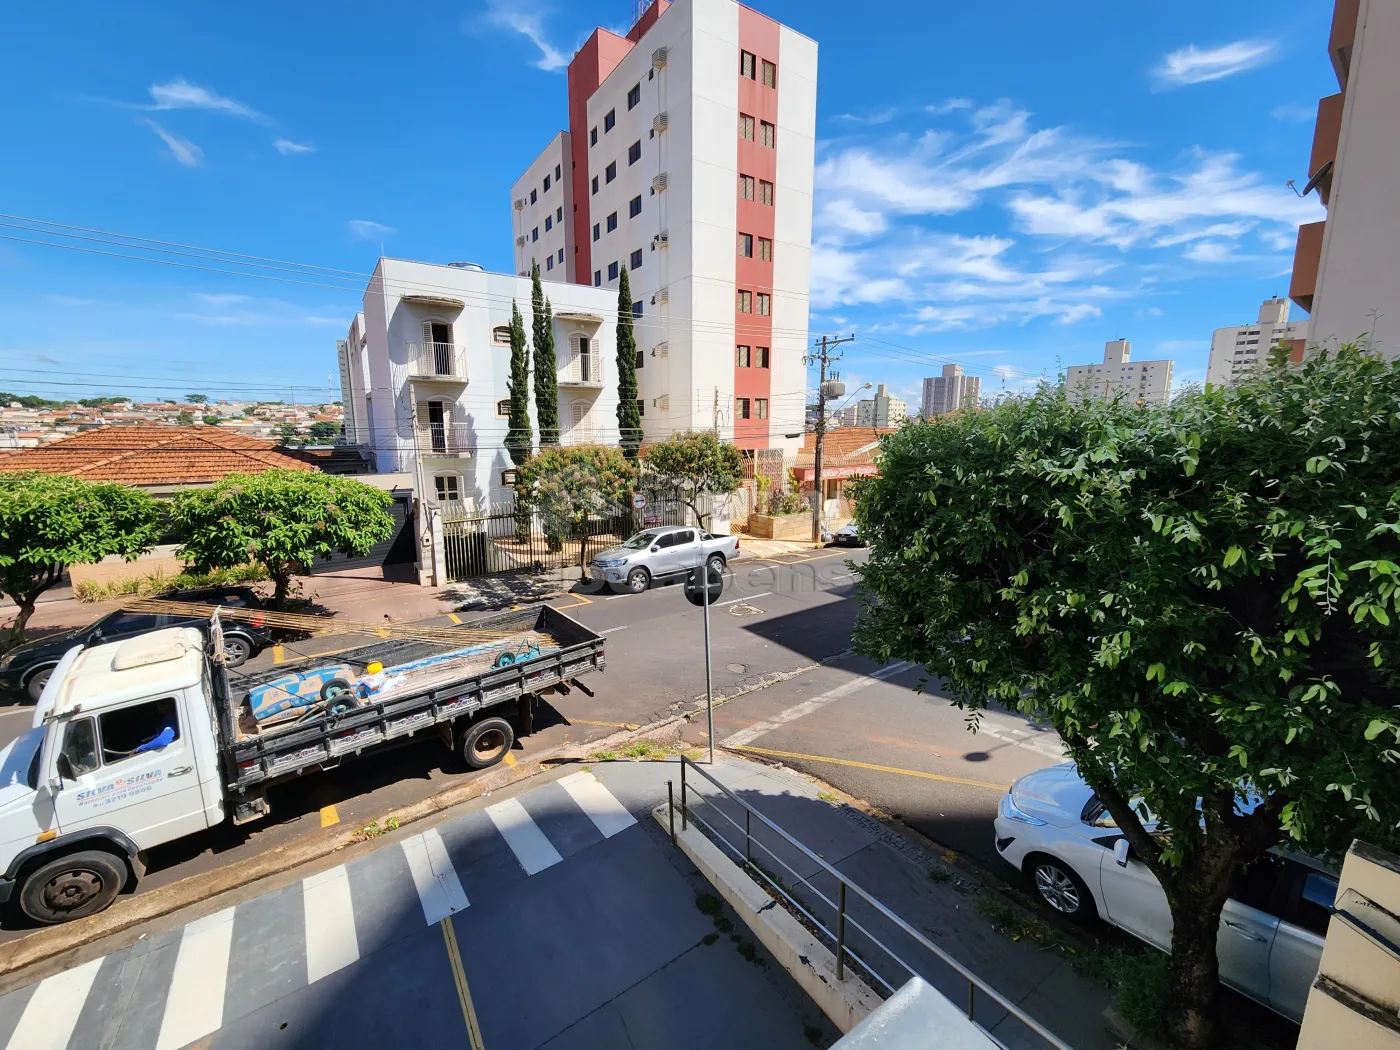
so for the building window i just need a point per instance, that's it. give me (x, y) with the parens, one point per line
(761, 356)
(447, 488)
(765, 192)
(595, 183)
(549, 262)
(765, 249)
(609, 121)
(558, 172)
(742, 357)
(760, 404)
(746, 187)
(636, 262)
(593, 136)
(744, 302)
(597, 231)
(634, 152)
(766, 134)
(612, 271)
(641, 358)
(637, 308)
(610, 172)
(546, 184)
(745, 126)
(534, 196)
(559, 214)
(561, 254)
(746, 245)
(500, 335)
(503, 408)
(597, 278)
(535, 234)
(641, 407)
(765, 303)
(612, 221)
(747, 65)
(741, 408)
(548, 223)
(770, 74)
(634, 96)
(634, 207)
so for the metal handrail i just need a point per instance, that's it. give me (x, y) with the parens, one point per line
(435, 360)
(843, 884)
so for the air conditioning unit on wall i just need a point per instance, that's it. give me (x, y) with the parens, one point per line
(658, 57)
(659, 183)
(658, 123)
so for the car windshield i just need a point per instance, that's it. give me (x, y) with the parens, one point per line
(640, 542)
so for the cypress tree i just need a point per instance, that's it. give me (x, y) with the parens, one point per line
(546, 372)
(629, 415)
(519, 440)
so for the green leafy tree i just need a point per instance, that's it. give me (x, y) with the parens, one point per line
(692, 464)
(184, 419)
(51, 521)
(286, 433)
(629, 414)
(325, 430)
(574, 485)
(519, 440)
(1200, 598)
(546, 370)
(197, 399)
(213, 421)
(284, 519)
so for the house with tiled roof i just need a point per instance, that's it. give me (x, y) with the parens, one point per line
(847, 452)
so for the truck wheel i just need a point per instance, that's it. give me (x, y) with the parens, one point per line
(72, 887)
(237, 650)
(638, 580)
(715, 566)
(34, 684)
(486, 742)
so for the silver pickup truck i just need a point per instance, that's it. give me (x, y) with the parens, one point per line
(656, 554)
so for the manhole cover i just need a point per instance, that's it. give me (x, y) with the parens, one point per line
(737, 668)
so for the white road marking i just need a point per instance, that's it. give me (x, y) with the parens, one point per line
(744, 598)
(615, 597)
(807, 707)
(439, 890)
(331, 943)
(52, 1011)
(611, 629)
(1041, 743)
(523, 835)
(194, 1002)
(608, 814)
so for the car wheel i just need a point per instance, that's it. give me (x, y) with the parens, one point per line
(237, 650)
(638, 580)
(1060, 888)
(486, 742)
(72, 887)
(716, 564)
(34, 684)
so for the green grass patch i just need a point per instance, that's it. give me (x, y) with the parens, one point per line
(156, 582)
(939, 876)
(829, 797)
(604, 756)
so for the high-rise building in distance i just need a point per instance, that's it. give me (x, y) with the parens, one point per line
(951, 391)
(1235, 350)
(1143, 382)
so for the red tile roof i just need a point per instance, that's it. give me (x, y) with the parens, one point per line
(153, 455)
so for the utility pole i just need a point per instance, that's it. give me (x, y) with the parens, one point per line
(824, 358)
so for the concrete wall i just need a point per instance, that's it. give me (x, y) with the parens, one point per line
(549, 214)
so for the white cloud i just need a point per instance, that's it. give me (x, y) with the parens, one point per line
(1300, 114)
(287, 147)
(518, 17)
(184, 151)
(220, 299)
(1194, 65)
(843, 215)
(879, 116)
(367, 230)
(181, 94)
(950, 106)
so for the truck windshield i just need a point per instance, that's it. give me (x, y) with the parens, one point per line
(19, 760)
(641, 541)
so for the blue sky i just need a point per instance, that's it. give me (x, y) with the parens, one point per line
(1004, 185)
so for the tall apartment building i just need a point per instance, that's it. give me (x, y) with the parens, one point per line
(1235, 350)
(950, 392)
(689, 159)
(882, 410)
(1346, 269)
(1142, 382)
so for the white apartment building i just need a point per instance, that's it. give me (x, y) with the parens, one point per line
(689, 159)
(1235, 350)
(882, 410)
(950, 392)
(427, 388)
(543, 204)
(1140, 382)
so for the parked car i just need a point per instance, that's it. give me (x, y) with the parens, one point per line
(1052, 826)
(848, 536)
(27, 667)
(661, 553)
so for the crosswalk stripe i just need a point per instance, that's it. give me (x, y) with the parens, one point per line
(330, 923)
(523, 836)
(439, 890)
(52, 1011)
(608, 814)
(194, 1002)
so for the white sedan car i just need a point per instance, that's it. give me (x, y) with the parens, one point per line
(1051, 826)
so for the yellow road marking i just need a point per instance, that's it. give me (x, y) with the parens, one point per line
(279, 655)
(509, 759)
(459, 978)
(454, 617)
(877, 768)
(329, 817)
(581, 602)
(606, 725)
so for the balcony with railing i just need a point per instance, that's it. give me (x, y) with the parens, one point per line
(444, 439)
(444, 361)
(585, 370)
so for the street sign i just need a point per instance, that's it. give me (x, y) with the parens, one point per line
(638, 501)
(695, 590)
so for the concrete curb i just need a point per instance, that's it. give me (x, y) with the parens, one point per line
(848, 1001)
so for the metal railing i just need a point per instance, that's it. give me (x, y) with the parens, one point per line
(444, 438)
(582, 370)
(435, 360)
(843, 918)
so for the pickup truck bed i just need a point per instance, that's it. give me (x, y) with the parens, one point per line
(253, 760)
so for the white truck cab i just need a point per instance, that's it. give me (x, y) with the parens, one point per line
(123, 755)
